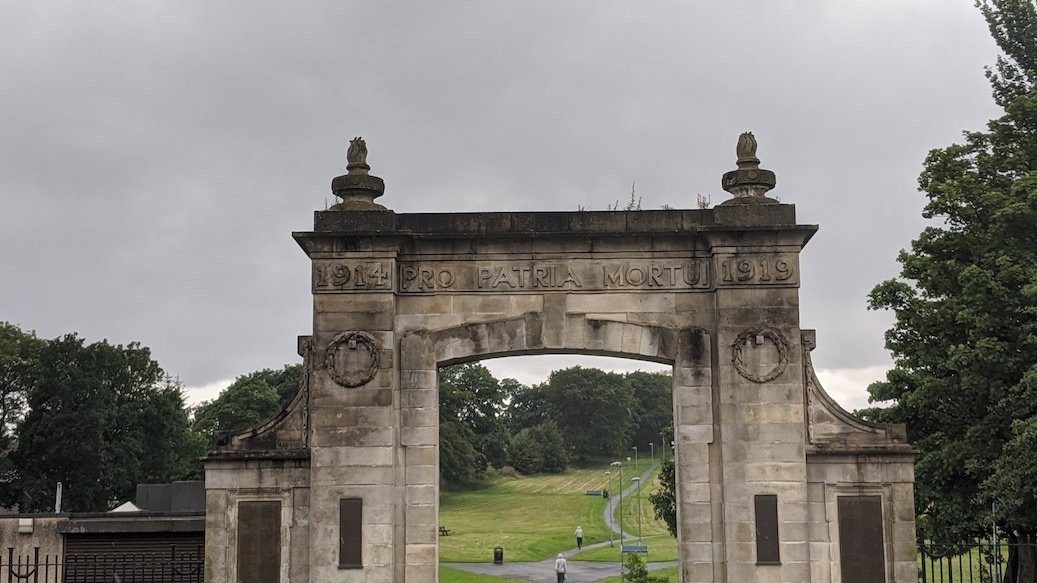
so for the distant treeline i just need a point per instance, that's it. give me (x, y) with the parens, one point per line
(579, 413)
(102, 418)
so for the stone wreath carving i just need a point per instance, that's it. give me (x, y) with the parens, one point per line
(352, 358)
(756, 340)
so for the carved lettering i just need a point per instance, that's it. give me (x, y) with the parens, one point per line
(653, 275)
(540, 277)
(571, 278)
(577, 275)
(425, 278)
(334, 276)
(760, 269)
(690, 273)
(445, 278)
(503, 277)
(340, 275)
(407, 276)
(528, 277)
(656, 273)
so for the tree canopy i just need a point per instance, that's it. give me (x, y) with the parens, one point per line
(100, 418)
(577, 413)
(964, 340)
(19, 351)
(250, 399)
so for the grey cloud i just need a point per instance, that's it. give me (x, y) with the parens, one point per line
(155, 157)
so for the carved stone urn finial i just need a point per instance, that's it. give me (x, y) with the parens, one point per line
(746, 150)
(357, 188)
(749, 182)
(356, 157)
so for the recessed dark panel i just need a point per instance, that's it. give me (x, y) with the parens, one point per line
(767, 552)
(259, 542)
(861, 555)
(350, 533)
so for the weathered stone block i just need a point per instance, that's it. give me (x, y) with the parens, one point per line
(419, 436)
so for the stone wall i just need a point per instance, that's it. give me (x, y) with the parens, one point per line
(44, 535)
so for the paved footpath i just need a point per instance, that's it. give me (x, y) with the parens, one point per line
(578, 571)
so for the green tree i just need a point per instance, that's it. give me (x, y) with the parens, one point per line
(553, 448)
(284, 381)
(471, 395)
(526, 454)
(664, 498)
(471, 430)
(965, 337)
(459, 462)
(101, 419)
(653, 396)
(637, 572)
(19, 351)
(250, 399)
(246, 402)
(594, 409)
(540, 448)
(526, 406)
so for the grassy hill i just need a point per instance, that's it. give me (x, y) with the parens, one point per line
(533, 517)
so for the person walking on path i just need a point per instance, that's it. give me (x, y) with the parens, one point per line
(560, 568)
(579, 538)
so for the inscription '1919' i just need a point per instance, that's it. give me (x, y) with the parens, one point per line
(755, 270)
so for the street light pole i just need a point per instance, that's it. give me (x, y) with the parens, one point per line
(637, 482)
(607, 503)
(620, 466)
(635, 459)
(651, 444)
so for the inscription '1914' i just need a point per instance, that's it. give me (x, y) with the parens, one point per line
(336, 275)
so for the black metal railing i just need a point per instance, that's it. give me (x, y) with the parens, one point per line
(178, 565)
(978, 561)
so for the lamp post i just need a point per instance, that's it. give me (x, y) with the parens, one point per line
(608, 502)
(651, 444)
(637, 483)
(620, 466)
(635, 459)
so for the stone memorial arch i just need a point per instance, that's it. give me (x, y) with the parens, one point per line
(775, 481)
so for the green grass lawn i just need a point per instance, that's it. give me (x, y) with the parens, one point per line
(970, 566)
(448, 575)
(533, 517)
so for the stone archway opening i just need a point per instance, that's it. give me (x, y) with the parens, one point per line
(550, 484)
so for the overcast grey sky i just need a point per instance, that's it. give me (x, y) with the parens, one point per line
(155, 156)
